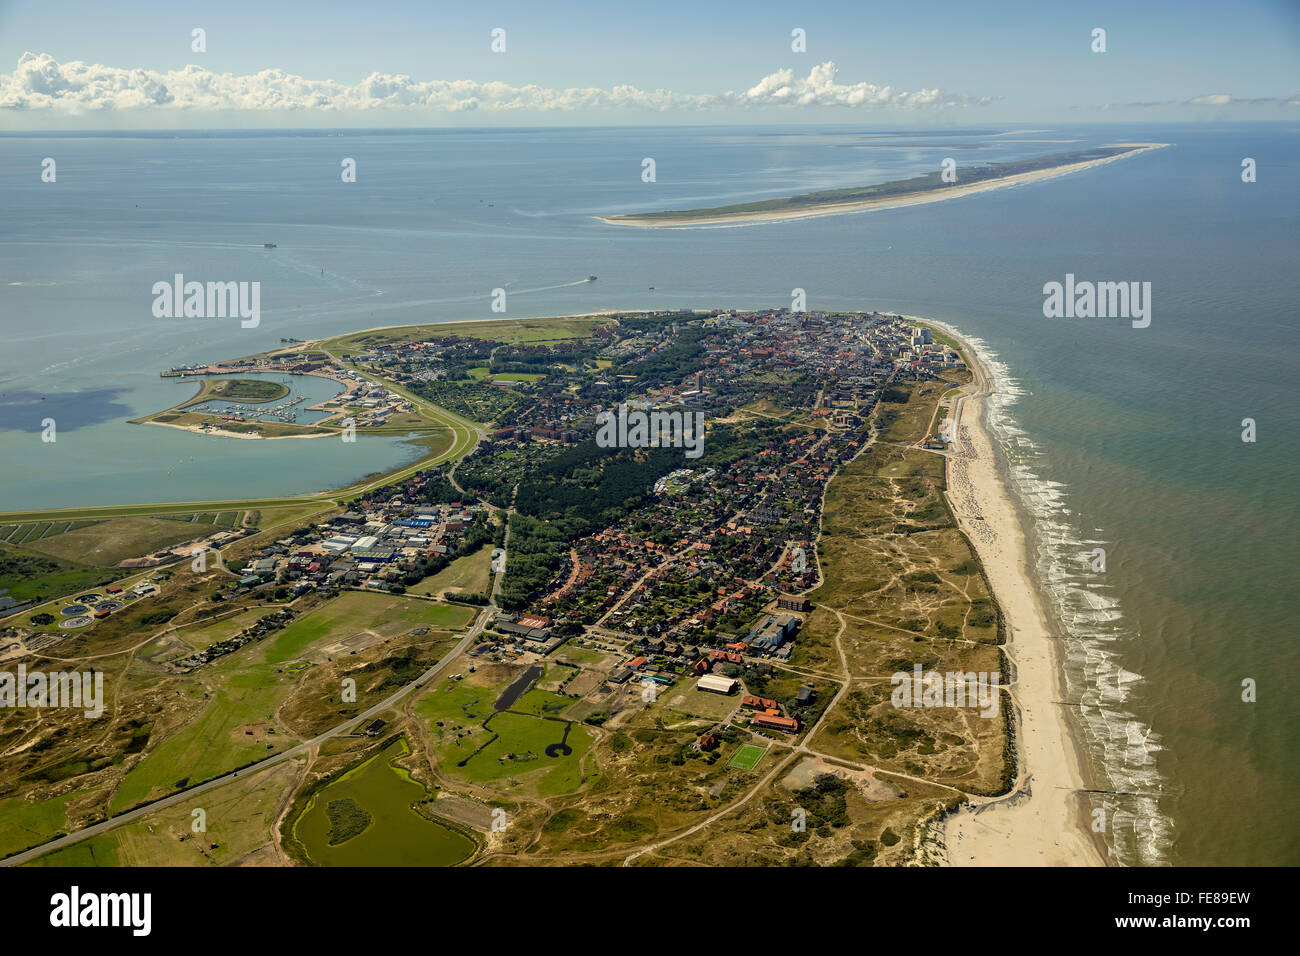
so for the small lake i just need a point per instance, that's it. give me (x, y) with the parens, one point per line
(396, 834)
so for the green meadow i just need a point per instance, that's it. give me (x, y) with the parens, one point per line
(389, 831)
(248, 686)
(517, 755)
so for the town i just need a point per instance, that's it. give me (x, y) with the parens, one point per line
(700, 578)
(658, 600)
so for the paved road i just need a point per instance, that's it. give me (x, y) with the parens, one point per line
(186, 796)
(467, 436)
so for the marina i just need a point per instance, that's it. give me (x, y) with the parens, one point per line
(302, 406)
(1156, 486)
(286, 412)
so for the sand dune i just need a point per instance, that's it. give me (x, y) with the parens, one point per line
(1042, 821)
(837, 208)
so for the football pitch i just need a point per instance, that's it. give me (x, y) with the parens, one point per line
(747, 757)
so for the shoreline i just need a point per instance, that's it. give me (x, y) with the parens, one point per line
(207, 376)
(222, 433)
(1044, 818)
(864, 205)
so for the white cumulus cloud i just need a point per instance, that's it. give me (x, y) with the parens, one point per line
(819, 88)
(40, 82)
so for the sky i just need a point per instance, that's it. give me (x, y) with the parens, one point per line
(88, 64)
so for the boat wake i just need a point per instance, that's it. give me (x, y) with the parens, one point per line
(549, 288)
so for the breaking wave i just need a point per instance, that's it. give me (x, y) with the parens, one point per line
(1123, 747)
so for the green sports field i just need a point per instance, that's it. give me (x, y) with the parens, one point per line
(747, 757)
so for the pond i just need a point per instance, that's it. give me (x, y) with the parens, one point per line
(372, 822)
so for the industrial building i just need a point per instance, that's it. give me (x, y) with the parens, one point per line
(716, 684)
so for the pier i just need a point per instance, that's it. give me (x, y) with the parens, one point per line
(283, 412)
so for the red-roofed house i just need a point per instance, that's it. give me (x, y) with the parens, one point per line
(786, 725)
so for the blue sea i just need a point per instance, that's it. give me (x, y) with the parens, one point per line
(1115, 437)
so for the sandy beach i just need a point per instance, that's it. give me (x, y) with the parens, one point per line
(222, 433)
(834, 209)
(1042, 821)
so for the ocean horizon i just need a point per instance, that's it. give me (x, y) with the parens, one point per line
(1112, 437)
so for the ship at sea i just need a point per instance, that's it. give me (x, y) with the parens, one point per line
(591, 278)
